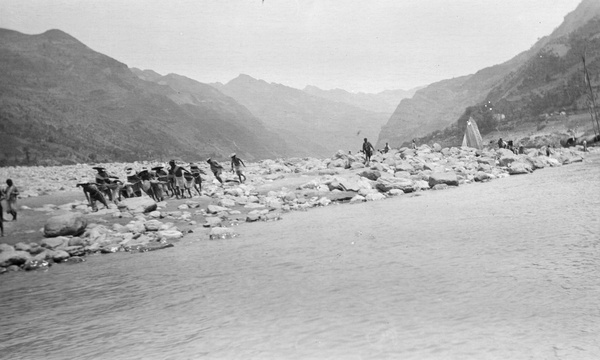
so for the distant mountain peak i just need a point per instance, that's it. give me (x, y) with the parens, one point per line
(56, 34)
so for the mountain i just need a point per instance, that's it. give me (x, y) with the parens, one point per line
(60, 101)
(310, 125)
(443, 103)
(383, 102)
(546, 80)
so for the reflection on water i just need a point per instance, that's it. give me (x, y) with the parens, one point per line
(508, 269)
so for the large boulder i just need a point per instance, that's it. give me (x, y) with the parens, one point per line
(66, 224)
(448, 178)
(518, 167)
(387, 184)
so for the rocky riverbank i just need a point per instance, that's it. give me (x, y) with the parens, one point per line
(71, 231)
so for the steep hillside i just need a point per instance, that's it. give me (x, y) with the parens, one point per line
(383, 102)
(441, 104)
(62, 102)
(550, 82)
(309, 124)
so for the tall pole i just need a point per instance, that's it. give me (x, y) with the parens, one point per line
(592, 97)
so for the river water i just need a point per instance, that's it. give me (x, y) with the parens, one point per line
(504, 270)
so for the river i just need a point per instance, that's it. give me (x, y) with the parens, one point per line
(508, 269)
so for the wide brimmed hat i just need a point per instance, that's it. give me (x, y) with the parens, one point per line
(129, 171)
(193, 166)
(232, 155)
(98, 168)
(156, 168)
(208, 159)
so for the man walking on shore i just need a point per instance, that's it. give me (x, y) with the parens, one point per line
(236, 163)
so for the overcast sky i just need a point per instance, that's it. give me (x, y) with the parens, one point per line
(366, 46)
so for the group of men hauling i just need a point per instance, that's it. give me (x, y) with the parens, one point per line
(173, 180)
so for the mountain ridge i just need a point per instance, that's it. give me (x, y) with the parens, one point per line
(63, 102)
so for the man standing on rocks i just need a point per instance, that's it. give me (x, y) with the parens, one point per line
(237, 164)
(216, 169)
(368, 149)
(11, 199)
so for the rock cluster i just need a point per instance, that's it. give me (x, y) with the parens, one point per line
(274, 187)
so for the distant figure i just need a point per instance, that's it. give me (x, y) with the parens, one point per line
(368, 149)
(216, 169)
(92, 194)
(236, 163)
(501, 144)
(414, 145)
(11, 194)
(386, 148)
(548, 150)
(521, 149)
(2, 197)
(584, 145)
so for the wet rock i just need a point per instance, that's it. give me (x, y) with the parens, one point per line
(222, 233)
(36, 264)
(448, 178)
(13, 268)
(16, 257)
(60, 256)
(66, 224)
(74, 260)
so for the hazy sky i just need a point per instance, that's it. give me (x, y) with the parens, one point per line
(355, 45)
